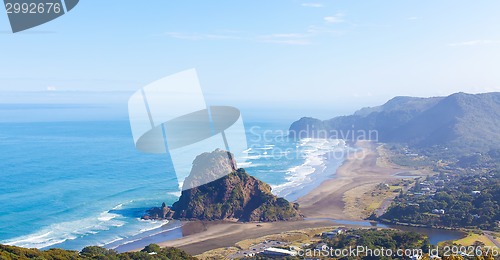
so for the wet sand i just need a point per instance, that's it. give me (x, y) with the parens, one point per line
(211, 235)
(361, 168)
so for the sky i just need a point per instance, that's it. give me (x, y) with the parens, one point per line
(280, 58)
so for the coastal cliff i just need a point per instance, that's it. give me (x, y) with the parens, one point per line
(235, 196)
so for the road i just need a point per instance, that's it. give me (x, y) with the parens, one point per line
(490, 237)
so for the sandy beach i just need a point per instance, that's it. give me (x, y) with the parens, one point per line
(219, 235)
(360, 172)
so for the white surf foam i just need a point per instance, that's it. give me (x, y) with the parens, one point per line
(106, 216)
(244, 164)
(313, 152)
(264, 148)
(69, 230)
(252, 157)
(175, 193)
(152, 224)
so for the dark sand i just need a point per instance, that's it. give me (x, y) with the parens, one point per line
(326, 201)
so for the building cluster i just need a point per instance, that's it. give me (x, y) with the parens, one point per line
(267, 248)
(274, 248)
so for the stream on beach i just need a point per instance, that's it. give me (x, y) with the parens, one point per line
(435, 235)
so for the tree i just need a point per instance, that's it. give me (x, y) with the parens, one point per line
(151, 248)
(97, 251)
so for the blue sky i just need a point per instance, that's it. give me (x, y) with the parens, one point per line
(316, 58)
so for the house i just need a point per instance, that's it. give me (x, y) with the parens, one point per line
(476, 192)
(273, 251)
(322, 247)
(330, 234)
(333, 233)
(416, 257)
(438, 211)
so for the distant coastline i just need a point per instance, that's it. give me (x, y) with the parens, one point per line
(320, 205)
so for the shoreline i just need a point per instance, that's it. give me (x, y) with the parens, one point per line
(225, 234)
(361, 170)
(169, 231)
(326, 170)
(321, 174)
(361, 167)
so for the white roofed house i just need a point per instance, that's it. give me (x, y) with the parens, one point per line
(322, 247)
(273, 251)
(333, 233)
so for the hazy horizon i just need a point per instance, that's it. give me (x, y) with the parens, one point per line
(330, 57)
(55, 106)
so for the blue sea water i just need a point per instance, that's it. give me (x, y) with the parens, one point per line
(74, 184)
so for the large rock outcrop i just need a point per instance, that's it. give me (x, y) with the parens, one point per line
(208, 167)
(163, 212)
(237, 196)
(234, 196)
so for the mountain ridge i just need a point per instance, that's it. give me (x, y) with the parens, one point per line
(462, 122)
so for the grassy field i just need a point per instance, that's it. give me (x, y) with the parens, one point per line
(219, 253)
(362, 201)
(497, 237)
(472, 238)
(295, 238)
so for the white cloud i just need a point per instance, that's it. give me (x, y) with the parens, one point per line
(317, 30)
(315, 5)
(51, 88)
(306, 37)
(281, 38)
(475, 43)
(286, 38)
(337, 18)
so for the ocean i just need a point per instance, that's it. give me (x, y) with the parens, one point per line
(74, 184)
